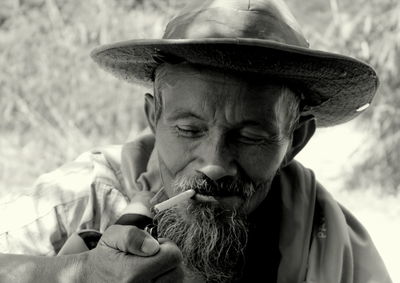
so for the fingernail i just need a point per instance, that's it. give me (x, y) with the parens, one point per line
(150, 246)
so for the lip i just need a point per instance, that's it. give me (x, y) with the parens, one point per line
(205, 198)
(226, 201)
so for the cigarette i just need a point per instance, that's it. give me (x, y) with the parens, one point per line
(174, 200)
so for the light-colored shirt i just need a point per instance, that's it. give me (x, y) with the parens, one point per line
(84, 194)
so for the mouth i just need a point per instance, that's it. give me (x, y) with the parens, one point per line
(215, 193)
(204, 198)
(228, 200)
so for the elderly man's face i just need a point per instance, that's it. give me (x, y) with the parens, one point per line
(224, 136)
(236, 124)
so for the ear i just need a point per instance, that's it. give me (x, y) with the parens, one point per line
(300, 137)
(149, 108)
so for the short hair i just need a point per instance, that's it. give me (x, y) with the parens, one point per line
(289, 96)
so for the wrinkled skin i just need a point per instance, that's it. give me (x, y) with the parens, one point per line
(119, 257)
(218, 121)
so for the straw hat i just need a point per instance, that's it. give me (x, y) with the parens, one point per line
(258, 36)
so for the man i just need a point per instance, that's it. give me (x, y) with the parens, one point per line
(237, 94)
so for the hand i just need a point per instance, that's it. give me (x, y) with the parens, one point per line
(129, 254)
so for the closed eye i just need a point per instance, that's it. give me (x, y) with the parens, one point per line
(189, 131)
(250, 140)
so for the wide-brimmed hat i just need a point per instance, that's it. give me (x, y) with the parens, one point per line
(259, 36)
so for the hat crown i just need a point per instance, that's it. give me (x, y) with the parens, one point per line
(256, 19)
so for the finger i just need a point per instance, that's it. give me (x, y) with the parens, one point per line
(130, 239)
(169, 257)
(175, 275)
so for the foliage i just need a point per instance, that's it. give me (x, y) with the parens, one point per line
(370, 31)
(380, 166)
(55, 103)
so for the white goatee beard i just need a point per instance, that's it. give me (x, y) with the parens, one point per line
(212, 240)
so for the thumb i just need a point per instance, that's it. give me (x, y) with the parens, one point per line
(129, 239)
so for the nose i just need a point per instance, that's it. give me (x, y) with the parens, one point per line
(217, 159)
(216, 172)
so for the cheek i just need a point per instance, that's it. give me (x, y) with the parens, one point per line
(261, 163)
(173, 154)
(168, 149)
(261, 166)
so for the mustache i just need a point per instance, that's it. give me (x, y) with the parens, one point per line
(225, 186)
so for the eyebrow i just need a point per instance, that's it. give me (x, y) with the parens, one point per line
(267, 125)
(183, 114)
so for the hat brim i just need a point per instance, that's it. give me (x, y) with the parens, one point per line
(335, 87)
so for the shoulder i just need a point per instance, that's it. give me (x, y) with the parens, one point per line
(296, 173)
(344, 245)
(83, 194)
(341, 249)
(87, 193)
(96, 167)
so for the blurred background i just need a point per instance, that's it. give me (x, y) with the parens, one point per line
(55, 103)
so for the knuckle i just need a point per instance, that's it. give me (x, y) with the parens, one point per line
(110, 231)
(108, 235)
